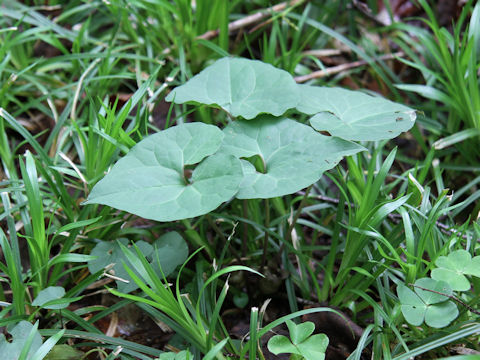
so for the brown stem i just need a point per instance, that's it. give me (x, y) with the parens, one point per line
(245, 228)
(343, 67)
(265, 239)
(454, 298)
(251, 19)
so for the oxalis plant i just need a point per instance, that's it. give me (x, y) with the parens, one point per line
(190, 169)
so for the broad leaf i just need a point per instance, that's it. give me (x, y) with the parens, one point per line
(64, 352)
(151, 181)
(241, 87)
(11, 350)
(421, 305)
(353, 115)
(48, 294)
(110, 256)
(169, 251)
(294, 155)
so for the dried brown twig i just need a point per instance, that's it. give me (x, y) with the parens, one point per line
(343, 67)
(454, 298)
(251, 19)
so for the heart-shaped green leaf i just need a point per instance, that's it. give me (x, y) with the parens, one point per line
(241, 87)
(294, 155)
(438, 288)
(48, 294)
(20, 333)
(314, 347)
(352, 115)
(280, 344)
(170, 250)
(151, 180)
(300, 332)
(109, 253)
(474, 267)
(419, 306)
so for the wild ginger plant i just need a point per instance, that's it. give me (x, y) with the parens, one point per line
(190, 169)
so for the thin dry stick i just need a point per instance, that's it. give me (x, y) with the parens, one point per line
(343, 67)
(454, 298)
(251, 19)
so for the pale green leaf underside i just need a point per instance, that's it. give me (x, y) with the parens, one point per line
(295, 155)
(150, 182)
(109, 253)
(48, 294)
(11, 350)
(170, 250)
(352, 115)
(241, 87)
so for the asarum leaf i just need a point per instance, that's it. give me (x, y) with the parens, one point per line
(353, 115)
(166, 253)
(152, 180)
(11, 350)
(241, 87)
(48, 294)
(110, 255)
(294, 155)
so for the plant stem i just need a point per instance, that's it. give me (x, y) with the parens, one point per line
(222, 237)
(245, 228)
(265, 239)
(288, 236)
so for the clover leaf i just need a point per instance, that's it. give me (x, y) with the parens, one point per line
(20, 334)
(453, 268)
(152, 179)
(241, 87)
(294, 155)
(169, 251)
(353, 115)
(421, 305)
(301, 342)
